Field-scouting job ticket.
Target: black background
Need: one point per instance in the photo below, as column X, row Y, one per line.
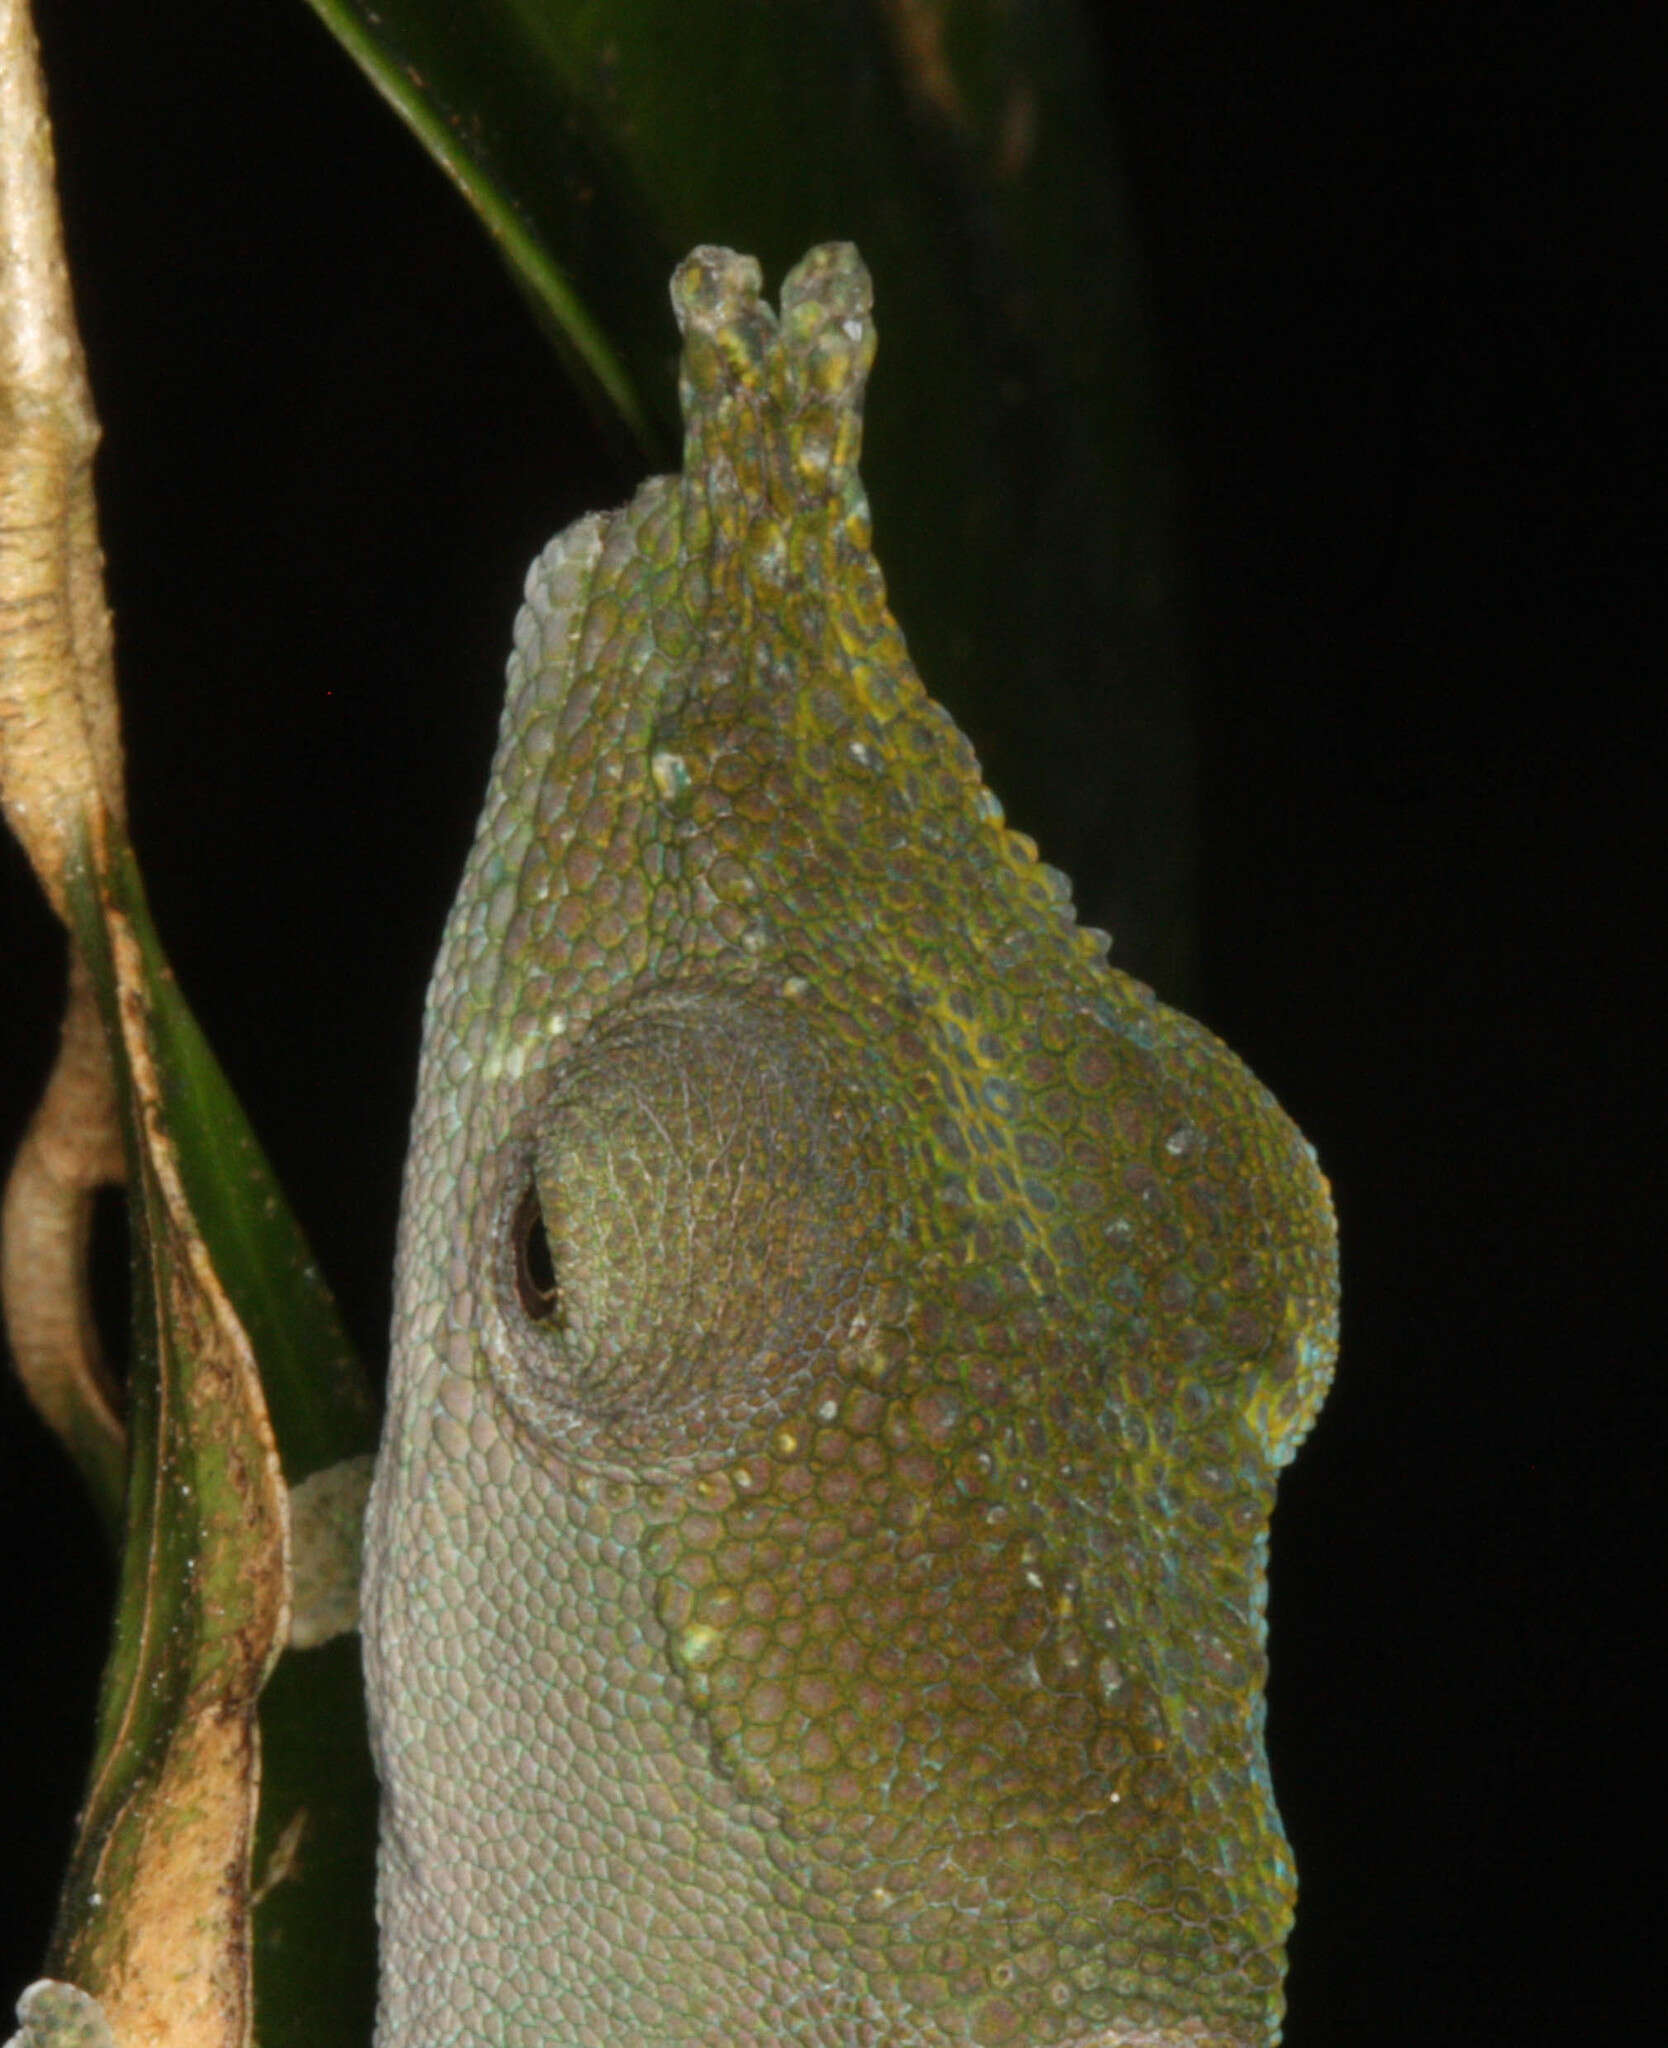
column 1404, row 278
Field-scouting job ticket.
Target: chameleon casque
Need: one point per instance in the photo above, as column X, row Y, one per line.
column 846, row 1337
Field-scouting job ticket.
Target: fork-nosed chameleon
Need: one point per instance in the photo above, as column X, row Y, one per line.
column 847, row 1333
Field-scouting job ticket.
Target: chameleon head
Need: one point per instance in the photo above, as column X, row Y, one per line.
column 846, row 1337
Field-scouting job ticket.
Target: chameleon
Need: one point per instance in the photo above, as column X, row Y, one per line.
column 846, row 1336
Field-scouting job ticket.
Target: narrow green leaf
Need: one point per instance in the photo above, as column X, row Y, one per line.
column 315, row 1854
column 317, row 1392
column 153, row 1897
column 193, row 1635
column 314, row 1860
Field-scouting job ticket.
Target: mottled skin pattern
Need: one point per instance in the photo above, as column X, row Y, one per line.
column 847, row 1333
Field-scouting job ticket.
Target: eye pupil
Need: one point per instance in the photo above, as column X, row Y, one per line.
column 535, row 1266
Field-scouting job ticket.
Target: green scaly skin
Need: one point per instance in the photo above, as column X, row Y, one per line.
column 846, row 1337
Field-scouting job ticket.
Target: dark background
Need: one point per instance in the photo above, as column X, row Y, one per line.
column 1404, row 287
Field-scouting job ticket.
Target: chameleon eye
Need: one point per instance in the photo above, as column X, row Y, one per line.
column 535, row 1265
column 688, row 1233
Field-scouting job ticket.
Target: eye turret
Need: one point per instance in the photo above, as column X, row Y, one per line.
column 684, row 1232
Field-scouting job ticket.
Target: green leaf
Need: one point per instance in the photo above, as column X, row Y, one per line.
column 223, row 1281
column 1014, row 456
column 316, row 1390
column 153, row 1894
column 314, row 1931
column 315, row 1854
